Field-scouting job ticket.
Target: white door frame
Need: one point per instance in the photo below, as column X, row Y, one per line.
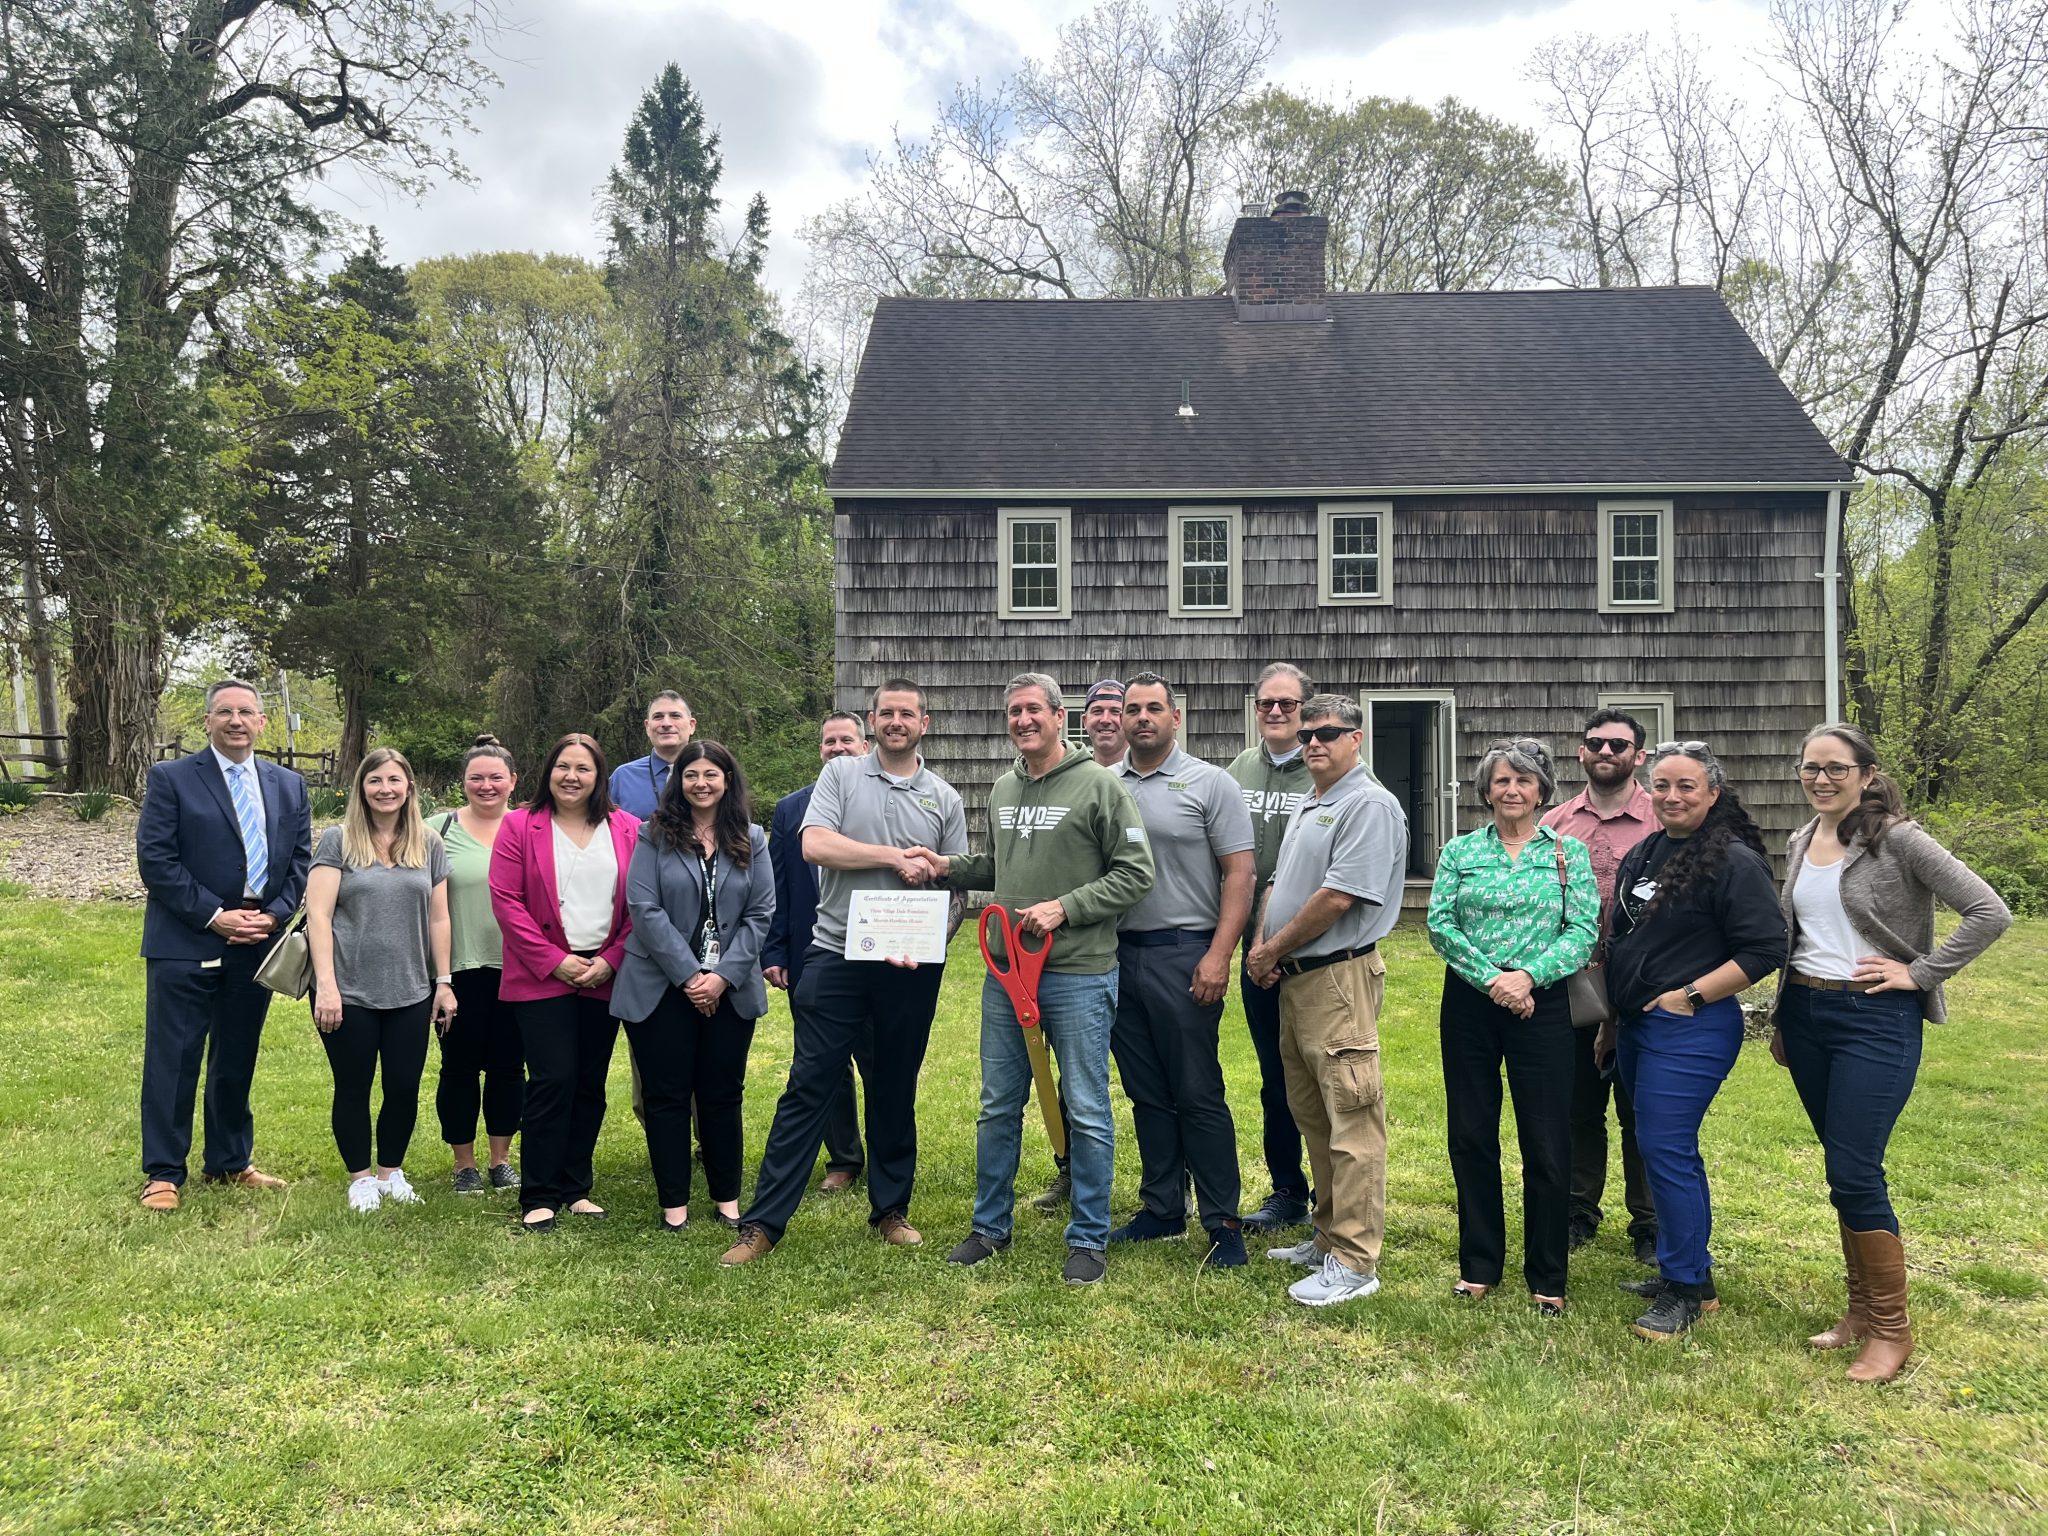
column 1445, row 748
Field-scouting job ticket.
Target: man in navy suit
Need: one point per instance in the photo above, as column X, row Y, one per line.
column 223, row 842
column 789, row 936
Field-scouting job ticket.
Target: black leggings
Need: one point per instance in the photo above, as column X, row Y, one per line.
column 568, row 1043
column 684, row 1055
column 482, row 1042
column 397, row 1036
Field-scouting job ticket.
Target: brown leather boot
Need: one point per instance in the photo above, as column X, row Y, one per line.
column 1855, row 1322
column 1888, row 1335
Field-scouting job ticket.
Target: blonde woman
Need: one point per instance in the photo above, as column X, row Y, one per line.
column 377, row 923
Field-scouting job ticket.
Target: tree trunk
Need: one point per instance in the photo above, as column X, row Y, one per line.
column 353, row 684
column 41, row 655
column 117, row 675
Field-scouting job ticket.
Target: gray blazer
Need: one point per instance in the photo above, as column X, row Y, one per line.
column 1889, row 891
column 665, row 894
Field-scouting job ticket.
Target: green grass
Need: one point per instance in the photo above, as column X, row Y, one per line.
column 274, row 1364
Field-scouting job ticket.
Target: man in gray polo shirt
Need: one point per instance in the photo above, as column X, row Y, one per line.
column 864, row 812
column 1173, row 960
column 1336, row 893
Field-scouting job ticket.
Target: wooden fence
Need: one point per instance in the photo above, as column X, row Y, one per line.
column 45, row 753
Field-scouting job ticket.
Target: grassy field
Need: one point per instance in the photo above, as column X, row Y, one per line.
column 274, row 1364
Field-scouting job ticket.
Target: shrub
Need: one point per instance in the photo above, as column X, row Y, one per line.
column 2006, row 844
column 15, row 798
column 327, row 804
column 92, row 805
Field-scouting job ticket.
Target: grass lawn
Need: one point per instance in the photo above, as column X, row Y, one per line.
column 275, row 1364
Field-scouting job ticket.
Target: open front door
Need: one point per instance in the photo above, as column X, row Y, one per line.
column 1412, row 748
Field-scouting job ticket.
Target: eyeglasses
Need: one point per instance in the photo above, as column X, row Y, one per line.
column 1614, row 744
column 1323, row 733
column 1285, row 706
column 1666, row 748
column 1836, row 772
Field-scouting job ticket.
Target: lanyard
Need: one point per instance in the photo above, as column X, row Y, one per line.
column 707, row 935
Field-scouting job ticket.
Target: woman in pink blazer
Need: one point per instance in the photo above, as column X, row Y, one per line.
column 558, row 889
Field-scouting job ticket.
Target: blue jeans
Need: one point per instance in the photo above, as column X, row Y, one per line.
column 1076, row 1013
column 1672, row 1067
column 1853, row 1057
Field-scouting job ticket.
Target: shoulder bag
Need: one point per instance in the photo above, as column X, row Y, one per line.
column 288, row 969
column 1587, row 986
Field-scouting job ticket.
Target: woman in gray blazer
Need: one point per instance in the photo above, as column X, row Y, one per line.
column 1863, row 972
column 702, row 893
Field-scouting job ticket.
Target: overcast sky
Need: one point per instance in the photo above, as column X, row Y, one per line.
column 802, row 90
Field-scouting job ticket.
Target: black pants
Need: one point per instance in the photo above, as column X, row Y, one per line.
column 1478, row 1035
column 1165, row 1048
column 397, row 1037
column 483, row 1042
column 840, row 1004
column 685, row 1055
column 568, row 1042
column 1279, row 1134
column 200, row 1013
column 1589, row 1144
column 843, row 1150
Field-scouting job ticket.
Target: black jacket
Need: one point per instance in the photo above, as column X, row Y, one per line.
column 1735, row 917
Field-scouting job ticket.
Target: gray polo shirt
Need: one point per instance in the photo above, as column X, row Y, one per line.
column 1194, row 814
column 856, row 799
column 1353, row 837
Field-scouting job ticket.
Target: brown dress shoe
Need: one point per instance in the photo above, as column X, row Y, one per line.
column 835, row 1182
column 898, row 1232
column 159, row 1195
column 753, row 1244
column 248, row 1178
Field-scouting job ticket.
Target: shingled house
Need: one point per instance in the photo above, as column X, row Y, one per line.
column 1479, row 513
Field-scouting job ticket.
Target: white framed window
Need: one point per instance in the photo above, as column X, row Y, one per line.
column 1656, row 712
column 1205, row 564
column 1635, row 557
column 1355, row 552
column 1034, row 563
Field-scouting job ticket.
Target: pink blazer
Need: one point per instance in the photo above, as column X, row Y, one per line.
column 528, row 906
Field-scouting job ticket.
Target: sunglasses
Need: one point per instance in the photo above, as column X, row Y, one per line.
column 1285, row 706
column 1323, row 733
column 1614, row 744
column 1666, row 748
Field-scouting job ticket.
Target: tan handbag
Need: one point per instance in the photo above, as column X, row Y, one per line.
column 1587, row 986
column 288, row 969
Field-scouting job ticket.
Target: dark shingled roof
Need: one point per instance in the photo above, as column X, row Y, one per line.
column 1614, row 387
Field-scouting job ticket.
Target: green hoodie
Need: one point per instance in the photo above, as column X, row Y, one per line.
column 1073, row 836
column 1271, row 793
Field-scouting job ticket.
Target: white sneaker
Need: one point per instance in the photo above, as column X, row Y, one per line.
column 363, row 1194
column 1305, row 1253
column 395, row 1186
column 1336, row 1281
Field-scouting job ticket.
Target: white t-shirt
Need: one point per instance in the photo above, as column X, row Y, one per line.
column 587, row 880
column 1829, row 945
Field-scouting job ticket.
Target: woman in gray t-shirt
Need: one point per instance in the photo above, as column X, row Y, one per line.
column 377, row 923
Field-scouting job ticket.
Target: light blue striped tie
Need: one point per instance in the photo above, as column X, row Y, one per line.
column 254, row 844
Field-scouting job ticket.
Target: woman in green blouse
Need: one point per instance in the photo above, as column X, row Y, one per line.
column 483, row 1041
column 1514, row 911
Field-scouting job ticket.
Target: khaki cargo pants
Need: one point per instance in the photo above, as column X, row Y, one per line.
column 1330, row 1050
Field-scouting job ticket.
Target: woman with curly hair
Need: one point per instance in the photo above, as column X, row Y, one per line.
column 1863, row 975
column 702, row 893
column 1695, row 920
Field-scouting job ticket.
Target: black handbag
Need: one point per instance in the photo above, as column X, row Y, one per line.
column 1587, row 986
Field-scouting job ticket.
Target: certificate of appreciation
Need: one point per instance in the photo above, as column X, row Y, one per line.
column 898, row 925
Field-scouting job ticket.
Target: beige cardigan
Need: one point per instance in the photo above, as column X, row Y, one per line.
column 1889, row 891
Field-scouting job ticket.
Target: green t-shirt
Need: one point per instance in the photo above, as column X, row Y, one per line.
column 476, row 943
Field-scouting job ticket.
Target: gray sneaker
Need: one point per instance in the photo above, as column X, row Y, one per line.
column 468, row 1181
column 1056, row 1195
column 1336, row 1281
column 976, row 1249
column 1305, row 1253
column 504, row 1176
column 1085, row 1266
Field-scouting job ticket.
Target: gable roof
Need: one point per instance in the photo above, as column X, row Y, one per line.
column 1631, row 388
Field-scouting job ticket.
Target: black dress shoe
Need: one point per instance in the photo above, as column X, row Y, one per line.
column 1581, row 1232
column 545, row 1224
column 730, row 1223
column 677, row 1227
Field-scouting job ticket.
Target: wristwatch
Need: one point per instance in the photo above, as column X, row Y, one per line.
column 1692, row 996
column 444, row 981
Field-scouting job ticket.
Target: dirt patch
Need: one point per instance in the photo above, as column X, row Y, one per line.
column 49, row 850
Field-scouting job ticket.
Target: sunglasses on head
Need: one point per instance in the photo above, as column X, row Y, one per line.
column 1323, row 733
column 1666, row 748
column 1614, row 744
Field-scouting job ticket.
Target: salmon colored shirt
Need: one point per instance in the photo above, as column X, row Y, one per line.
column 1606, row 836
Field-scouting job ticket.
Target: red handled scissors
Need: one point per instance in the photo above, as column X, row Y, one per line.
column 1020, row 979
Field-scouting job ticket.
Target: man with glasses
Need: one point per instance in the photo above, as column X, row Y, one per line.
column 637, row 786
column 1336, row 893
column 1610, row 817
column 1274, row 778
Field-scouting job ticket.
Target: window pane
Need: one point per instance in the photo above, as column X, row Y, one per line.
column 1354, row 536
column 1635, row 581
column 1204, row 586
column 1635, row 535
column 1352, row 577
column 1205, row 541
column 1036, row 588
column 1355, row 556
column 1034, row 543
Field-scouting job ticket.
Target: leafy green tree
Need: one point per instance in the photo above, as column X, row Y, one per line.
column 401, row 554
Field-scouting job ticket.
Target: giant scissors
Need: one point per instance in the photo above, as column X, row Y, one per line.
column 1020, row 979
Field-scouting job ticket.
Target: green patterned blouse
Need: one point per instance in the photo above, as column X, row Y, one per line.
column 1489, row 913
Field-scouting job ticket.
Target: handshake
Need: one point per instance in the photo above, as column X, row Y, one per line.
column 920, row 866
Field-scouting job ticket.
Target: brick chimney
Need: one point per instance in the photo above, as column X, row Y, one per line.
column 1278, row 267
